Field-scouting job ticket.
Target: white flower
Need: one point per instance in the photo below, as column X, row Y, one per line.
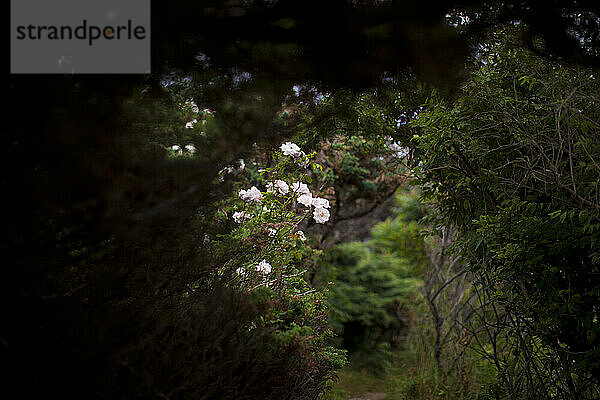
column 227, row 170
column 191, row 148
column 242, row 164
column 399, row 151
column 300, row 188
column 240, row 271
column 319, row 202
column 190, row 124
column 241, row 216
column 306, row 200
column 264, row 267
column 321, row 215
column 290, row 149
column 252, row 194
column 177, row 149
column 282, row 187
column 272, row 232
column 192, row 105
column 301, row 235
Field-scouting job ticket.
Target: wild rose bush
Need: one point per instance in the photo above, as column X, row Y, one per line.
column 192, row 131
column 275, row 214
column 267, row 256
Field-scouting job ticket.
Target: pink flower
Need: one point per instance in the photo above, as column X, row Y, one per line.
column 252, row 194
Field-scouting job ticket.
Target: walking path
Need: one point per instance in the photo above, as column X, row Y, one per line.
column 370, row 396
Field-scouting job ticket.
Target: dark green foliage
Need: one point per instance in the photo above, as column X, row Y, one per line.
column 110, row 289
column 103, row 232
column 513, row 164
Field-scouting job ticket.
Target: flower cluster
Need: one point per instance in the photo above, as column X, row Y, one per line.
column 251, row 195
column 191, row 104
column 241, row 216
column 264, row 267
column 299, row 190
column 305, row 197
column 231, row 168
column 276, row 212
column 397, row 150
column 190, row 149
column 292, row 149
column 280, row 186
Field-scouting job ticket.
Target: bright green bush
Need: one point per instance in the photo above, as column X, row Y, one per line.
column 374, row 284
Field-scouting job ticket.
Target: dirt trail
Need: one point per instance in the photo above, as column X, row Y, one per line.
column 369, row 396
